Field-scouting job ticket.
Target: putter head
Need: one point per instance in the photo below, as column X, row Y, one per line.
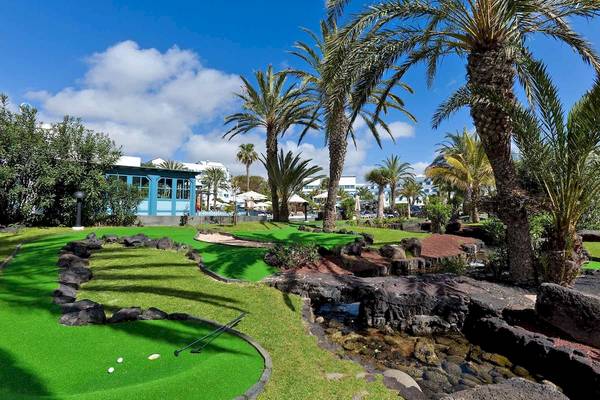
column 176, row 353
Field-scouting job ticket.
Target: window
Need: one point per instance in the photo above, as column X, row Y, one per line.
column 122, row 178
column 183, row 189
column 165, row 187
column 142, row 183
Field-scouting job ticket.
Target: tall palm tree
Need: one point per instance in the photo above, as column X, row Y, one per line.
column 274, row 106
column 214, row 178
column 396, row 172
column 290, row 173
column 463, row 164
column 492, row 36
column 563, row 154
column 336, row 116
column 412, row 191
column 247, row 155
column 380, row 178
column 172, row 164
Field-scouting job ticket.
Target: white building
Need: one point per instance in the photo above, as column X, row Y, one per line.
column 428, row 189
column 200, row 167
column 347, row 183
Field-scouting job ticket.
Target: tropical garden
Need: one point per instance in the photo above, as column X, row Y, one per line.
column 526, row 179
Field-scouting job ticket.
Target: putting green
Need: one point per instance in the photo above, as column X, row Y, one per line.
column 39, row 358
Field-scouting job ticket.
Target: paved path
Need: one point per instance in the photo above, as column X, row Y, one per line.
column 229, row 240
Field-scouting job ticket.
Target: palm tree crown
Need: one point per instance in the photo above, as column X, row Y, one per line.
column 171, row 164
column 463, row 164
column 396, row 172
column 214, row 178
column 247, row 156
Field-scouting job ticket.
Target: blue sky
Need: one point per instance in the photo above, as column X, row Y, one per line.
column 158, row 76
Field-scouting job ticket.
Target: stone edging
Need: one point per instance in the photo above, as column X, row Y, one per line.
column 11, row 256
column 73, row 263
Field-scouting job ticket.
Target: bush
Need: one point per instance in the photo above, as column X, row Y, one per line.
column 494, row 230
column 498, row 261
column 292, row 256
column 438, row 213
column 348, row 205
column 454, row 265
column 121, row 202
column 539, row 226
column 591, row 218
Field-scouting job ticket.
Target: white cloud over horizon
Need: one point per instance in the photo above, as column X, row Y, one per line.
column 147, row 101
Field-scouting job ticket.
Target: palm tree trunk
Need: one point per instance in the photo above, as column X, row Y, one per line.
column 247, row 177
column 208, row 200
column 272, row 157
column 338, row 145
column 491, row 72
column 215, row 198
column 284, row 211
column 475, row 206
column 409, row 205
column 393, row 198
column 380, row 202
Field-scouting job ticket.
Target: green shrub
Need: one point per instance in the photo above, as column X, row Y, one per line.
column 454, row 265
column 293, row 255
column 494, row 230
column 121, row 203
column 438, row 213
column 348, row 204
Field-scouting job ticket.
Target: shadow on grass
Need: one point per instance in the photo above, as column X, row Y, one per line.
column 17, row 379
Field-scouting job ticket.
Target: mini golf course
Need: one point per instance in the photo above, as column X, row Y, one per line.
column 40, row 358
column 44, row 359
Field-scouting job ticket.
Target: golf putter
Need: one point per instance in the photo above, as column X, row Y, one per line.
column 217, row 331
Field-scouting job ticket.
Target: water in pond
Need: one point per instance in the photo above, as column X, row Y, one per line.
column 440, row 364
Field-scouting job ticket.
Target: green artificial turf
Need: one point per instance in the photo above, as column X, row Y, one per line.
column 42, row 359
column 35, row 350
column 382, row 235
column 593, row 248
column 592, row 265
column 278, row 232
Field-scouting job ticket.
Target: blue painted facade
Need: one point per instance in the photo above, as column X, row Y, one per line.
column 167, row 192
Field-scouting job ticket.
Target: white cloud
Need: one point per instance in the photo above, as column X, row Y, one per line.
column 399, row 130
column 419, row 167
column 147, row 101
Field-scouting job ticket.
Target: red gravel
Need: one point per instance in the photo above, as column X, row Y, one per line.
column 589, row 351
column 439, row 246
column 329, row 265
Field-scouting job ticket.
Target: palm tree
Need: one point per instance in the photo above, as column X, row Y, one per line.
column 396, row 172
column 173, row 165
column 380, row 178
column 247, row 155
column 412, row 191
column 563, row 154
column 214, row 178
column 290, row 173
column 463, row 164
column 492, row 36
column 335, row 116
column 274, row 107
column 364, row 193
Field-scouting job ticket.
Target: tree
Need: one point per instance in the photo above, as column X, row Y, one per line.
column 438, row 213
column 257, row 183
column 463, row 164
column 396, row 172
column 172, row 164
column 364, row 193
column 247, row 155
column 412, row 191
column 492, row 36
column 379, row 177
column 122, row 201
column 41, row 168
column 335, row 115
column 275, row 107
column 290, row 173
column 214, row 178
column 562, row 153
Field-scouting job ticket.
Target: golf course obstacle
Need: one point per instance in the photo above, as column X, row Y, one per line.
column 207, row 339
column 73, row 263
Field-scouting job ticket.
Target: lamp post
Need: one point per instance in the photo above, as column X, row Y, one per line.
column 79, row 195
column 305, row 211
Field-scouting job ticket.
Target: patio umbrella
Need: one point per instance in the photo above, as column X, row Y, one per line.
column 251, row 195
column 321, row 196
column 296, row 199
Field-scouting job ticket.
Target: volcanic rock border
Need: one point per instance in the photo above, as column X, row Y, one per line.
column 73, row 263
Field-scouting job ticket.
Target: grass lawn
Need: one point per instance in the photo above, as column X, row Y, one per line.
column 382, row 235
column 42, row 354
column 283, row 232
column 592, row 265
column 593, row 248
